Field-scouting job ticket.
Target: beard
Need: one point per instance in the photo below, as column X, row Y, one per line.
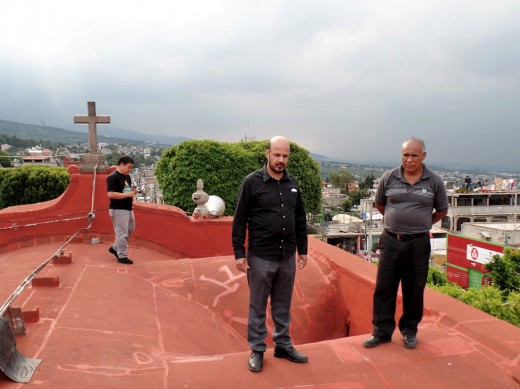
column 278, row 167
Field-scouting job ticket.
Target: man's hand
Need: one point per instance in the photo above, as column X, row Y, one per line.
column 302, row 260
column 242, row 265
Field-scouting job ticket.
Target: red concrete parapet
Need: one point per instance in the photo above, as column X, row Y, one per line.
column 166, row 226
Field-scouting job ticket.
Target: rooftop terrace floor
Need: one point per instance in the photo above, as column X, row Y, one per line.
column 151, row 325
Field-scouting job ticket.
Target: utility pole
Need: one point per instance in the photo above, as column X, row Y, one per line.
column 43, row 131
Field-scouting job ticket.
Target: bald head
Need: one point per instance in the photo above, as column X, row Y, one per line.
column 277, row 154
column 279, row 141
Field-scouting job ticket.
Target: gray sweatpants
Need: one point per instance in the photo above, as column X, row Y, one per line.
column 274, row 278
column 124, row 224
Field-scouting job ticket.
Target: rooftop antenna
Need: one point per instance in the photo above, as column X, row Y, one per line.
column 43, row 130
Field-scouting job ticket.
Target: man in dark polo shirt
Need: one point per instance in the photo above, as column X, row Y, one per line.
column 270, row 208
column 412, row 198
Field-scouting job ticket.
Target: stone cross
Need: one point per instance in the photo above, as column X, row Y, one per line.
column 92, row 121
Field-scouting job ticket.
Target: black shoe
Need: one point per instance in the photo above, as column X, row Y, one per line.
column 112, row 251
column 374, row 341
column 291, row 354
column 125, row 261
column 256, row 362
column 410, row 341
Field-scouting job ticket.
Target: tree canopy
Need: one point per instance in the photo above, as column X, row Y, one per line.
column 223, row 166
column 356, row 195
column 505, row 270
column 368, row 182
column 4, row 159
column 31, row 184
column 341, row 179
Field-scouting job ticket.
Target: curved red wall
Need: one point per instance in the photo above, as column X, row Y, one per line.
column 164, row 226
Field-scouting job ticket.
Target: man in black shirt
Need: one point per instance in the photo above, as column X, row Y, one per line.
column 270, row 208
column 121, row 194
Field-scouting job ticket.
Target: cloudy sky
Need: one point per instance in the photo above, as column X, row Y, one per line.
column 349, row 79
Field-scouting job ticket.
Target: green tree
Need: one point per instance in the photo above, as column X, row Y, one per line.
column 368, row 182
column 220, row 165
column 341, row 179
column 31, row 184
column 223, row 166
column 4, row 159
column 356, row 195
column 346, row 205
column 505, row 270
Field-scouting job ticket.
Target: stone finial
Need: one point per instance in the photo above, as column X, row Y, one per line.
column 200, row 198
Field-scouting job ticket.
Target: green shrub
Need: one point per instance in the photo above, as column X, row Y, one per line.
column 449, row 289
column 488, row 299
column 436, row 277
column 505, row 270
column 31, row 184
column 223, row 166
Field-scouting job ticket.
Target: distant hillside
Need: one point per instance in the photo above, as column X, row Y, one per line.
column 114, row 132
column 109, row 134
column 319, row 157
column 105, row 134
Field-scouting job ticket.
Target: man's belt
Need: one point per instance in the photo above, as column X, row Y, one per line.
column 405, row 237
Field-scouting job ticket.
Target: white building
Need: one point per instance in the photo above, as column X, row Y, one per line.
column 499, row 206
column 507, row 234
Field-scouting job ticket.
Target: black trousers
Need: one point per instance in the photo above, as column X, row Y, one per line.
column 270, row 278
column 406, row 262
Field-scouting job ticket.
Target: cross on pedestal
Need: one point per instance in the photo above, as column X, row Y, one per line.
column 92, row 120
column 92, row 161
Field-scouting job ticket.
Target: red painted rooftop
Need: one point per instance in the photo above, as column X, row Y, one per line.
column 177, row 318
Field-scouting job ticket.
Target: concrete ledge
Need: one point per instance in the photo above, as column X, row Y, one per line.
column 31, row 316
column 64, row 259
column 46, row 282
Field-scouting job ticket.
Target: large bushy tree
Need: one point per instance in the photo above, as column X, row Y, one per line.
column 223, row 166
column 31, row 184
column 220, row 165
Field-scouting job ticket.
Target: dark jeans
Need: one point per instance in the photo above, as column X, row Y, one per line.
column 273, row 278
column 406, row 262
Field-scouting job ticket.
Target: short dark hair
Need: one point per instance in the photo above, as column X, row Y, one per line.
column 125, row 160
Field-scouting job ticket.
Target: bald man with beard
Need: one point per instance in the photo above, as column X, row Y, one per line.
column 270, row 212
